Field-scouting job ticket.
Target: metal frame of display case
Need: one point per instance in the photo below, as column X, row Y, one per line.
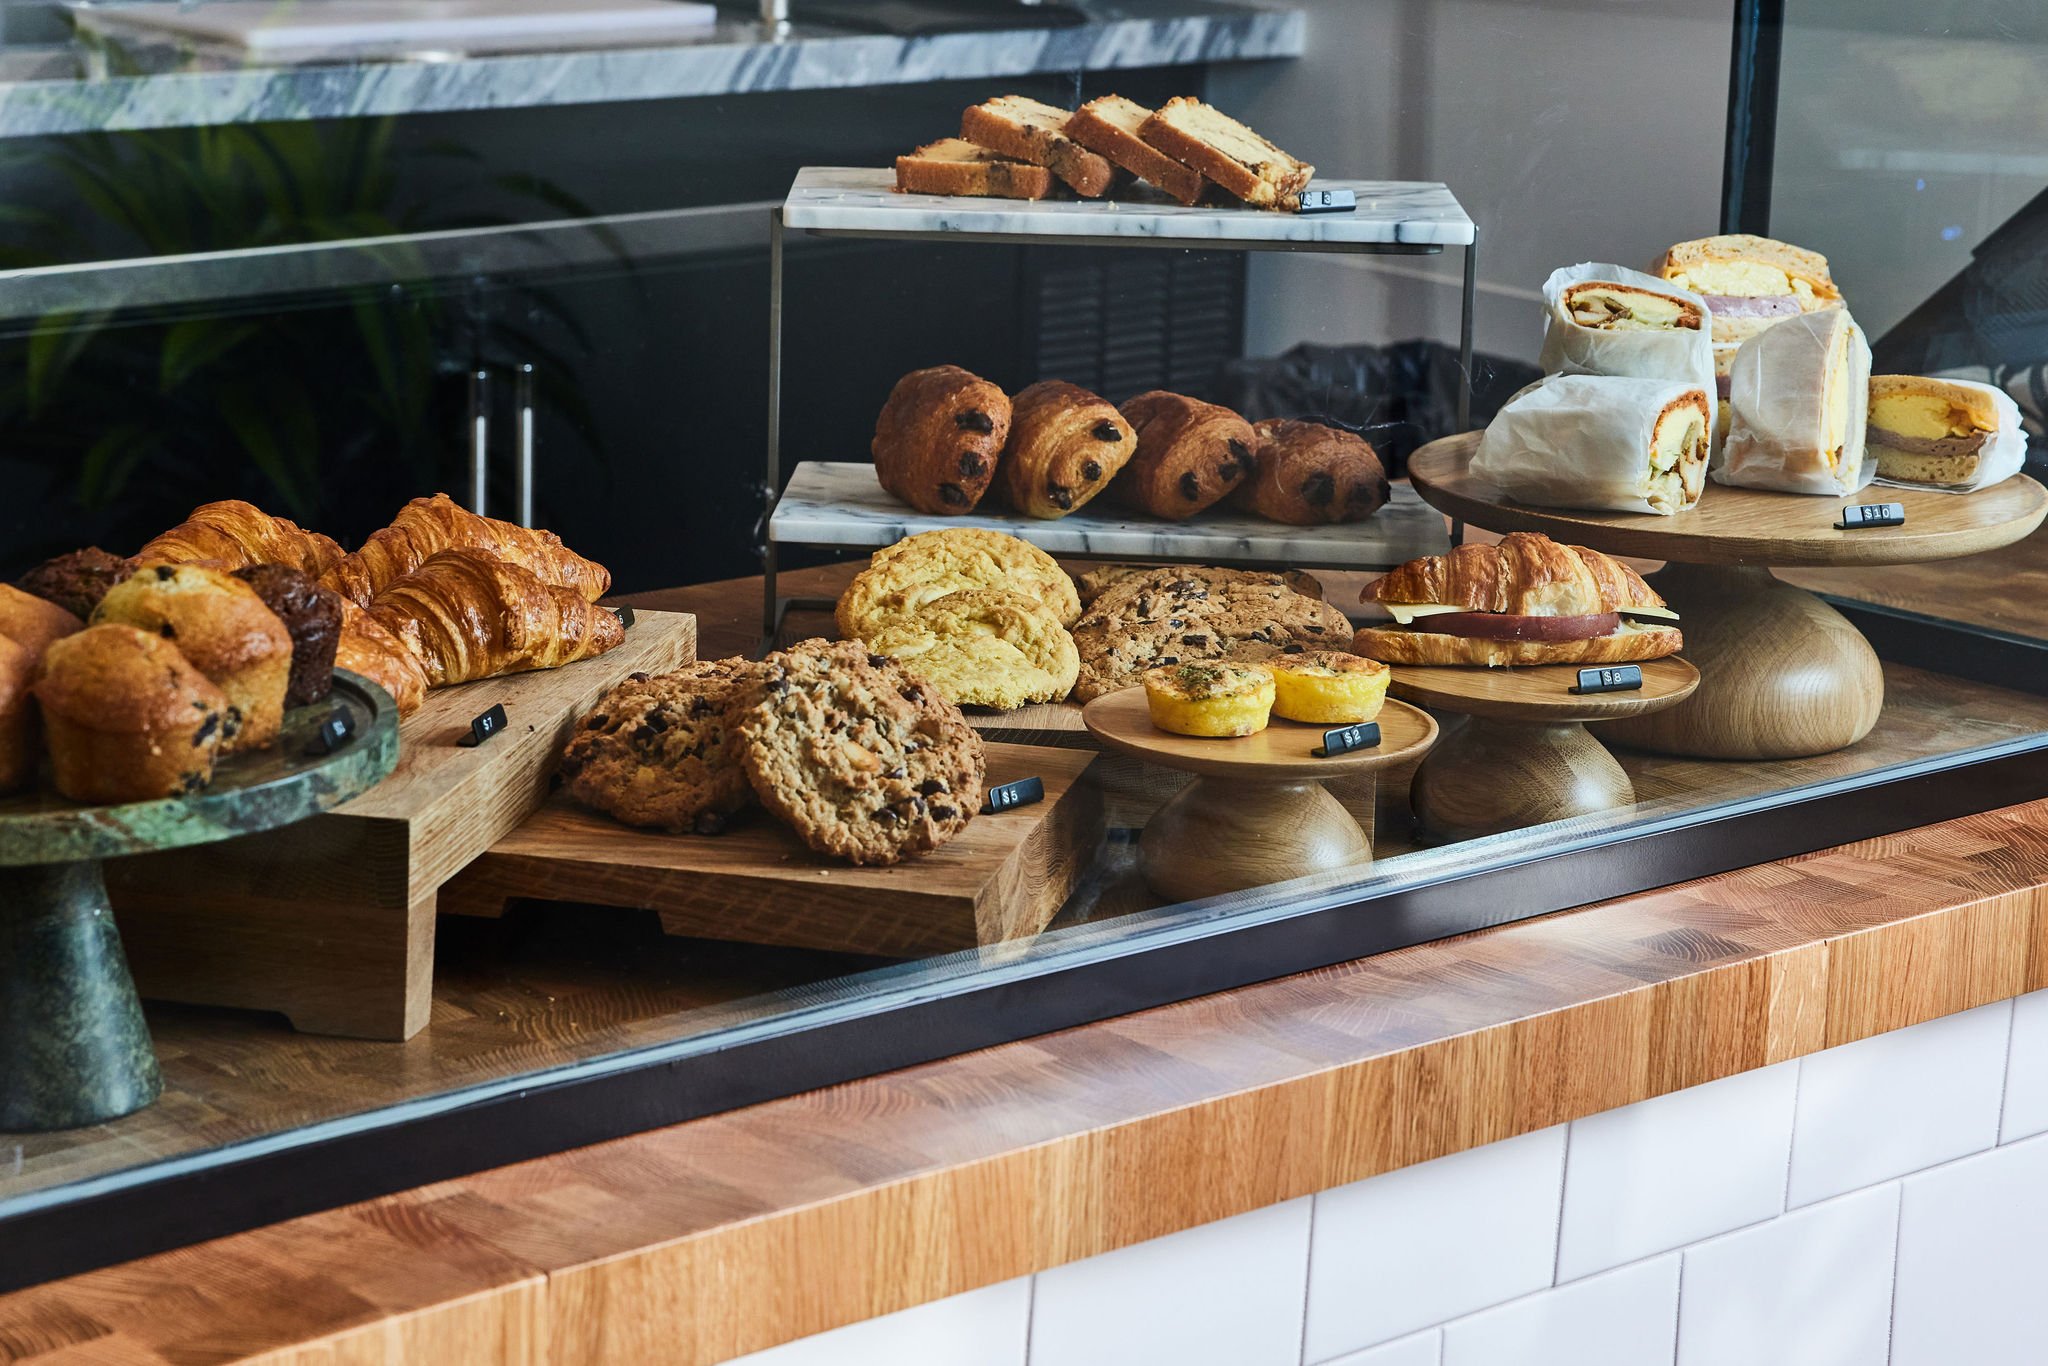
column 773, row 607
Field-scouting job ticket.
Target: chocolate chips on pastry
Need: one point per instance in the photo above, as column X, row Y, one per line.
column 938, row 438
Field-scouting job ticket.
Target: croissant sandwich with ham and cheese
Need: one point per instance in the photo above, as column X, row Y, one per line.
column 1527, row 600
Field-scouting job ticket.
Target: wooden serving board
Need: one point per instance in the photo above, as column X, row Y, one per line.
column 331, row 921
column 1000, row 880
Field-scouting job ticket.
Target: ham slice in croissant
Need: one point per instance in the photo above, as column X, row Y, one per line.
column 233, row 535
column 366, row 648
column 1525, row 576
column 426, row 526
column 466, row 614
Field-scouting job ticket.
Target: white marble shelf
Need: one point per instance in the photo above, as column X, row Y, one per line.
column 863, row 199
column 841, row 504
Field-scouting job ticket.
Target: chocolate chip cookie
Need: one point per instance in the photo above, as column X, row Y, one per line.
column 865, row 761
column 1183, row 616
column 657, row 750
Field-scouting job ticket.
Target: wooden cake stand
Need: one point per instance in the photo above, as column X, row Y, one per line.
column 1524, row 757
column 1256, row 811
column 73, row 1047
column 1782, row 674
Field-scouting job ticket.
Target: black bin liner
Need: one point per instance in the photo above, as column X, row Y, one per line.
column 1398, row 397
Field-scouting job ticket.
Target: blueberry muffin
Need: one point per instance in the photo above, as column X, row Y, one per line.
column 222, row 627
column 128, row 718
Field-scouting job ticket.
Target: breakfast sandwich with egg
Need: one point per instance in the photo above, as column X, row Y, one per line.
column 1933, row 431
column 1527, row 600
column 1800, row 393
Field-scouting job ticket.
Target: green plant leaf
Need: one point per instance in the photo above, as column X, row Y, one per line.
column 194, row 343
column 54, row 346
column 108, row 462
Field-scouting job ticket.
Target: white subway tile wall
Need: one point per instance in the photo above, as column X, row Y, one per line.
column 1896, row 1103
column 2026, row 1072
column 1670, row 1171
column 1618, row 1318
column 1973, row 1262
column 1430, row 1242
column 1653, row 1235
column 1812, row 1288
column 1224, row 1294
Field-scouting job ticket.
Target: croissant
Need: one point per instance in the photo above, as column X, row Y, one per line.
column 1189, row 455
column 365, row 647
column 426, row 526
column 466, row 614
column 1525, row 575
column 234, row 535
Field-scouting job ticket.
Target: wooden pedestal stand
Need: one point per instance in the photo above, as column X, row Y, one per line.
column 1524, row 757
column 73, row 1046
column 1782, row 674
column 1256, row 811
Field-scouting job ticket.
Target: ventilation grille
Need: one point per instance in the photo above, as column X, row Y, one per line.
column 1122, row 322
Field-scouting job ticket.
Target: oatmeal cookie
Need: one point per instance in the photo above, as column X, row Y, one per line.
column 864, row 760
column 904, row 577
column 984, row 647
column 1177, row 617
column 656, row 750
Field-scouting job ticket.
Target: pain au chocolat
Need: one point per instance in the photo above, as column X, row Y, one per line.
column 1527, row 600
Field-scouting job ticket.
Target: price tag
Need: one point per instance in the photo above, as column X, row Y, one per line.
column 332, row 733
column 625, row 616
column 1615, row 678
column 1007, row 796
column 1328, row 201
column 1344, row 739
column 1856, row 516
column 485, row 726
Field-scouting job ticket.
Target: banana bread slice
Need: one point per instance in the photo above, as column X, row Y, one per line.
column 1110, row 126
column 1227, row 152
column 955, row 166
column 1028, row 130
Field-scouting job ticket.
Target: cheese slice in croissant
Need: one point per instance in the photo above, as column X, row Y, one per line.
column 426, row 526
column 1525, row 576
column 232, row 535
column 466, row 614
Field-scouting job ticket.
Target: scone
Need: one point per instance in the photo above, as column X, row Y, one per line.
column 18, row 747
column 938, row 437
column 128, row 718
column 1188, row 617
column 1214, row 699
column 983, row 647
column 1190, row 454
column 77, row 580
column 1309, row 474
column 312, row 618
column 1328, row 687
column 864, row 761
column 32, row 622
column 222, row 627
column 905, row 576
column 1065, row 446
column 656, row 751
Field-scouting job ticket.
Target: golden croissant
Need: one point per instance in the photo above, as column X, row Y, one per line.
column 426, row 526
column 466, row 614
column 234, row 535
column 1525, row 574
column 366, row 648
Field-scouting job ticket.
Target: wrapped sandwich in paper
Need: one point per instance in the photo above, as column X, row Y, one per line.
column 1951, row 434
column 1800, row 393
column 1609, row 320
column 1601, row 442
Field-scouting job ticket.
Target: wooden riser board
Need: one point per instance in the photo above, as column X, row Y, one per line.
column 999, row 881
column 331, row 921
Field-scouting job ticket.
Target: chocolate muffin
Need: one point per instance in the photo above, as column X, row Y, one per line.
column 76, row 582
column 311, row 616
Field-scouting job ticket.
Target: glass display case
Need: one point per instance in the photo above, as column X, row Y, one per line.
column 656, row 299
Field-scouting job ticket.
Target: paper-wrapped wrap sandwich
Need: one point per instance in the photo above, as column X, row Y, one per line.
column 1800, row 395
column 1527, row 600
column 1601, row 442
column 1943, row 433
column 1609, row 320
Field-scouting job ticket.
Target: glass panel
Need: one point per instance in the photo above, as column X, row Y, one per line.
column 292, row 303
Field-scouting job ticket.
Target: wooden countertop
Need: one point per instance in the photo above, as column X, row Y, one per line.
column 735, row 1232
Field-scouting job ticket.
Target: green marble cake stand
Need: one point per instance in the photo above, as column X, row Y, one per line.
column 73, row 1047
